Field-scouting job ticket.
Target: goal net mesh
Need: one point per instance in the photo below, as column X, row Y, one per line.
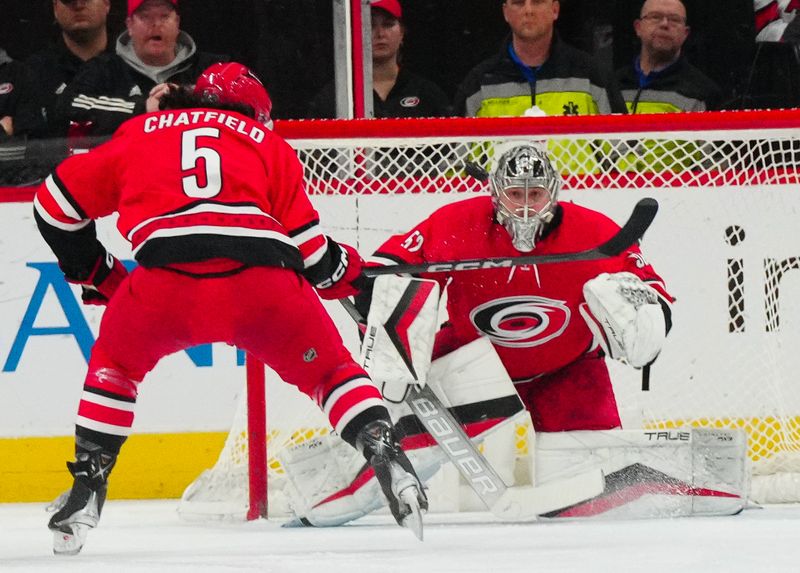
column 724, row 241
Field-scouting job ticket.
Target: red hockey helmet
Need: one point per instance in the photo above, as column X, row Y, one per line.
column 230, row 82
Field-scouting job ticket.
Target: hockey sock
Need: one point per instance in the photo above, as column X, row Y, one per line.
column 106, row 410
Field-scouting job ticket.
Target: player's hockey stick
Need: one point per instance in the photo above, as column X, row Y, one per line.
column 516, row 503
column 643, row 214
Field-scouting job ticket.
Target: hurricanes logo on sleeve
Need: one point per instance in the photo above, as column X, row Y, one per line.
column 521, row 321
column 638, row 260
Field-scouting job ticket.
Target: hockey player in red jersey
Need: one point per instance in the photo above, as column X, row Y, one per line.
column 532, row 314
column 550, row 326
column 228, row 247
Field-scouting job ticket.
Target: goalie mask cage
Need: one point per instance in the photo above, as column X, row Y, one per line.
column 725, row 241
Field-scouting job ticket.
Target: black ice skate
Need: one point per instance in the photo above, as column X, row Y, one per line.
column 396, row 475
column 81, row 510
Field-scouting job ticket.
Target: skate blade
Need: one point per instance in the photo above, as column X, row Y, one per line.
column 70, row 543
column 413, row 520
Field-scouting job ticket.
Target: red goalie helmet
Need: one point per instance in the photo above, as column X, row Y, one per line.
column 230, row 82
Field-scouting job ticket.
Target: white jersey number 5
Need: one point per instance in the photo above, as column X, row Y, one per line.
column 205, row 179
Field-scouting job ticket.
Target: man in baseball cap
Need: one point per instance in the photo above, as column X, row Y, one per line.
column 150, row 55
column 134, row 5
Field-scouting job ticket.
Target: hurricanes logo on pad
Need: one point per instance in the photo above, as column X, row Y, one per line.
column 521, row 321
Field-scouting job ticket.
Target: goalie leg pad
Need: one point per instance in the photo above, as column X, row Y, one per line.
column 322, row 484
column 472, row 382
column 651, row 473
column 326, row 483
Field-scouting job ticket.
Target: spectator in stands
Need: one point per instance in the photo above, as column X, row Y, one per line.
column 536, row 73
column 12, row 75
column 660, row 79
column 396, row 92
column 153, row 52
column 83, row 36
column 776, row 20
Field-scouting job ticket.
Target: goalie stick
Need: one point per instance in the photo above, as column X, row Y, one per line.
column 516, row 503
column 642, row 216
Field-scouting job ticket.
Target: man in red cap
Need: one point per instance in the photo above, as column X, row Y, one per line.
column 154, row 27
column 134, row 5
column 152, row 52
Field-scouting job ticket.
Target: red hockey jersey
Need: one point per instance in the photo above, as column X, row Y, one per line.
column 192, row 185
column 530, row 313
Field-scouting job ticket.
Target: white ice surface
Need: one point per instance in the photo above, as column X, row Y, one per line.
column 148, row 536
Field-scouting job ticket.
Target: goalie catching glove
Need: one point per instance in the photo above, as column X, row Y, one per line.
column 625, row 317
column 102, row 281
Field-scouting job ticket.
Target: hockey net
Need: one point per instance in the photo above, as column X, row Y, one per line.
column 729, row 192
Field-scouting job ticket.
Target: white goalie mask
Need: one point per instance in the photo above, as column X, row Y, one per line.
column 525, row 192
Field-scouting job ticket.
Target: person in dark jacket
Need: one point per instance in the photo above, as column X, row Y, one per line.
column 660, row 79
column 396, row 91
column 535, row 73
column 12, row 76
column 151, row 54
column 83, row 36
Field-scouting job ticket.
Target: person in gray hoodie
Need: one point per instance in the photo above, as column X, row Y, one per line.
column 153, row 52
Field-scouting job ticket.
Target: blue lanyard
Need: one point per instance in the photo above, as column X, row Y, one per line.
column 645, row 79
column 527, row 71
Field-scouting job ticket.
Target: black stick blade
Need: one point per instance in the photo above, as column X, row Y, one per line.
column 476, row 171
column 642, row 216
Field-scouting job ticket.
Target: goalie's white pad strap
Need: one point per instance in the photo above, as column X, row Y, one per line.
column 651, row 473
column 401, row 326
column 625, row 317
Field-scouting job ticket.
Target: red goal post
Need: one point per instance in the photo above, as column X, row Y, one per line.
column 729, row 188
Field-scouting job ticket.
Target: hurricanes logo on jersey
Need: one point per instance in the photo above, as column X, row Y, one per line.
column 521, row 321
column 638, row 259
